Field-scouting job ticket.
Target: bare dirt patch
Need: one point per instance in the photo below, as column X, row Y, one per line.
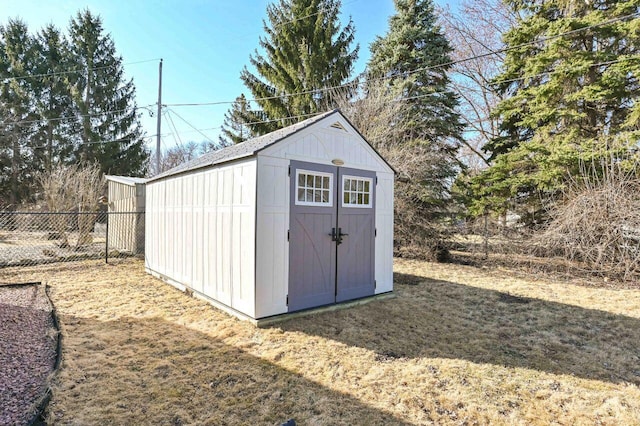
column 459, row 345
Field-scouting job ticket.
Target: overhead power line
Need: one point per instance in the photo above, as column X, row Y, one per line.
column 73, row 117
column 120, row 140
column 193, row 127
column 6, row 80
column 529, row 43
column 176, row 135
column 479, row 56
column 427, row 68
column 399, row 99
column 295, row 117
column 71, row 71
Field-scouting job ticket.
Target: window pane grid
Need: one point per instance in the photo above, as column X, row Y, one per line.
column 356, row 192
column 313, row 189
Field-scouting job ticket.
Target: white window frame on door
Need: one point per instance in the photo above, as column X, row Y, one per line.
column 314, row 188
column 370, row 193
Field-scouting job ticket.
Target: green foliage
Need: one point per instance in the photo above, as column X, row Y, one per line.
column 103, row 101
column 63, row 101
column 411, row 56
column 304, row 50
column 234, row 129
column 409, row 60
column 52, row 134
column 16, row 111
column 570, row 98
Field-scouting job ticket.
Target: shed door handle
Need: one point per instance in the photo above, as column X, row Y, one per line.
column 340, row 235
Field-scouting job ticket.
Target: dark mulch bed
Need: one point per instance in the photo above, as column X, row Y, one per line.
column 28, row 347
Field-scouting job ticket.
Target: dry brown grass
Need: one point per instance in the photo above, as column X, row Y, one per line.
column 459, row 345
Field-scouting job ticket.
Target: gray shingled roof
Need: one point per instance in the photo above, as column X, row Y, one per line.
column 244, row 149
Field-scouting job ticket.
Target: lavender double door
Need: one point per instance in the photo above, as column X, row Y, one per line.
column 331, row 235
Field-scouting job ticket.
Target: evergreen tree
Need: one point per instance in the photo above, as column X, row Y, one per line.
column 411, row 60
column 16, row 111
column 234, row 129
column 53, row 99
column 571, row 91
column 413, row 56
column 103, row 101
column 305, row 50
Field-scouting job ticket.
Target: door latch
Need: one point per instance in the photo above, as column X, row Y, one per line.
column 340, row 235
column 334, row 236
column 337, row 236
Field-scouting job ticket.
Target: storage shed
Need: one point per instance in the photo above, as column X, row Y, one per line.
column 126, row 204
column 295, row 219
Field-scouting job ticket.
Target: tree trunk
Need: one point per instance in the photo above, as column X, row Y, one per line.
column 86, row 120
column 49, row 156
column 15, row 171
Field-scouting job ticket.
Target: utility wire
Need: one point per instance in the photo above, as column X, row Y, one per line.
column 193, row 127
column 176, row 135
column 24, row 77
column 510, row 80
column 74, row 117
column 544, row 39
column 401, row 99
column 7, row 79
column 195, row 130
column 529, row 43
column 427, row 68
column 121, row 140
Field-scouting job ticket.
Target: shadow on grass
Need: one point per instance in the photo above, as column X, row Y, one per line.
column 440, row 319
column 134, row 371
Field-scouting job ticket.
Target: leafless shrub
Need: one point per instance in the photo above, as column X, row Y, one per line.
column 598, row 223
column 419, row 228
column 72, row 188
column 179, row 154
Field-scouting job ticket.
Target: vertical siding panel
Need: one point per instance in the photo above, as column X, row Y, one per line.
column 384, row 240
column 243, row 246
column 201, row 232
column 123, row 228
column 272, row 248
column 224, row 240
column 207, row 235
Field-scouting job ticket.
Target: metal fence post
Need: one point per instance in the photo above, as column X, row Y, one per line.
column 106, row 240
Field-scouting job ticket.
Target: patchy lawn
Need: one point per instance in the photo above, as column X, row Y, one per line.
column 459, row 345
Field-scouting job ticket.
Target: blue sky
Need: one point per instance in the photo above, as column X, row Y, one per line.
column 204, row 46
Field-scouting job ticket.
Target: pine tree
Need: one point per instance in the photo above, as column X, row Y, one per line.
column 53, row 99
column 411, row 59
column 305, row 50
column 414, row 55
column 104, row 102
column 571, row 91
column 234, row 128
column 16, row 111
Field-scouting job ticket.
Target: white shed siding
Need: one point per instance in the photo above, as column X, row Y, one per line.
column 384, row 238
column 220, row 227
column 272, row 254
column 126, row 230
column 201, row 232
column 321, row 144
column 318, row 144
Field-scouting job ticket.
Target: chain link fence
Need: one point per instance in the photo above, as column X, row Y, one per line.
column 31, row 238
